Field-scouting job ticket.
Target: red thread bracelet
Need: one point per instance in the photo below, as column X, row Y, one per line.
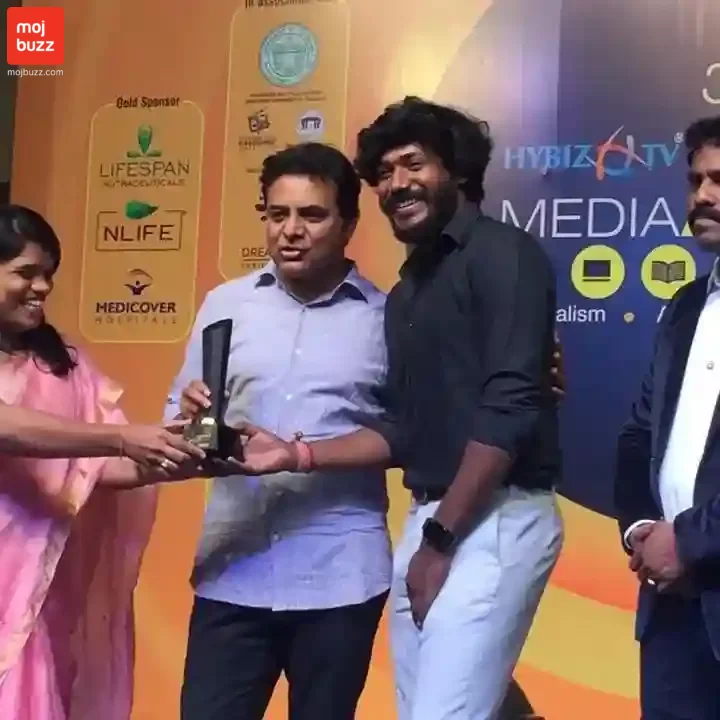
column 304, row 456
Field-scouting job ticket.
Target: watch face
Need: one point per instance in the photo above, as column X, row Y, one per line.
column 438, row 537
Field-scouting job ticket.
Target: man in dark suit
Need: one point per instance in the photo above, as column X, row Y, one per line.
column 667, row 487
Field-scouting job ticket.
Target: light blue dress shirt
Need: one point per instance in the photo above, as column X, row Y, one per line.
column 295, row 541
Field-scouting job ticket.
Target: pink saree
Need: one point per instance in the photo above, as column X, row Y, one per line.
column 70, row 555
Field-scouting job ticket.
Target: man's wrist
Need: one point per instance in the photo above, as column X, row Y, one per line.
column 439, row 538
column 304, row 461
column 628, row 534
column 679, row 549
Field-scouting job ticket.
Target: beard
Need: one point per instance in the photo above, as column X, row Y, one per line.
column 442, row 203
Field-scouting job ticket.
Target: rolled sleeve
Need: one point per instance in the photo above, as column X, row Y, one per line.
column 514, row 313
column 387, row 424
column 390, row 432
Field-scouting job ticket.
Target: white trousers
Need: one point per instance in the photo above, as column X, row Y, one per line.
column 459, row 666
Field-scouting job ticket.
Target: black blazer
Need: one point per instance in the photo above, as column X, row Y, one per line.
column 641, row 448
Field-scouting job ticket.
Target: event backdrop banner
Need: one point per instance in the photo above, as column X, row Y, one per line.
column 143, row 207
column 287, row 82
column 145, row 156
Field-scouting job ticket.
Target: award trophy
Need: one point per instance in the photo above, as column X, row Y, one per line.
column 208, row 431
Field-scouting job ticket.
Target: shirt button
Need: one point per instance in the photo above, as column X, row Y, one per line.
column 275, row 537
column 288, row 397
column 710, row 365
column 298, row 351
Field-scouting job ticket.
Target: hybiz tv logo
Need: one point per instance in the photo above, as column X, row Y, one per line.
column 35, row 36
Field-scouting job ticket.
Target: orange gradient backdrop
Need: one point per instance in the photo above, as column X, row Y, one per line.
column 580, row 660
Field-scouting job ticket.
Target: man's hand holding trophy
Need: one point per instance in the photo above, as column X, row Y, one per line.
column 242, row 450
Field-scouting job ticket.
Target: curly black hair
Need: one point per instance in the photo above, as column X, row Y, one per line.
column 702, row 133
column 461, row 141
column 20, row 225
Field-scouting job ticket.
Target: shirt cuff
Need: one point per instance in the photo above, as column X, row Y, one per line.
column 631, row 529
column 171, row 409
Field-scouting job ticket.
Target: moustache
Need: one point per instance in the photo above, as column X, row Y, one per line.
column 704, row 212
column 391, row 203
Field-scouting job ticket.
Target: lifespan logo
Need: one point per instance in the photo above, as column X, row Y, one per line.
column 35, row 36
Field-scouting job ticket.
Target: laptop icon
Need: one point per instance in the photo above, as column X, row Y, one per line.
column 596, row 270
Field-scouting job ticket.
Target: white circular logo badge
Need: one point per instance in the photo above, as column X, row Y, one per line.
column 311, row 125
column 288, row 55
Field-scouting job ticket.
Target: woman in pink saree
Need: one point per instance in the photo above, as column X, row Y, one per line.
column 74, row 524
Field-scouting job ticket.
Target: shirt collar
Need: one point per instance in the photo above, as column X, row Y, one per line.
column 354, row 282
column 456, row 234
column 464, row 220
column 714, row 279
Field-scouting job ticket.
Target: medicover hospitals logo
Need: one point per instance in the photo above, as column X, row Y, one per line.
column 139, row 300
column 619, row 155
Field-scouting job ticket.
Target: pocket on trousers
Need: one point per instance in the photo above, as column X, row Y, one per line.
column 477, row 567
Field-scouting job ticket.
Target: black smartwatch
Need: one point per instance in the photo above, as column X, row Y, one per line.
column 438, row 537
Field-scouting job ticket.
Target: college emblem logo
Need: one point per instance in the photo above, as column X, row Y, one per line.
column 311, row 124
column 288, row 55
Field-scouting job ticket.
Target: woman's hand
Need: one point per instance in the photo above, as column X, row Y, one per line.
column 171, row 472
column 155, row 447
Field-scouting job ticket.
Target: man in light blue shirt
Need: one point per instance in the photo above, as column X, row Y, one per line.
column 293, row 570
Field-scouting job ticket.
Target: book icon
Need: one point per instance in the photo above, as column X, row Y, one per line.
column 668, row 272
column 596, row 270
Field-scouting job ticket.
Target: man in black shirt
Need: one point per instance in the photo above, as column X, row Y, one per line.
column 469, row 330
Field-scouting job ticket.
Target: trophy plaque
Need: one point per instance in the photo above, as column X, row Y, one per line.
column 208, row 431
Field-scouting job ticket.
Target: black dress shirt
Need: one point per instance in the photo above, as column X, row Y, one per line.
column 469, row 329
